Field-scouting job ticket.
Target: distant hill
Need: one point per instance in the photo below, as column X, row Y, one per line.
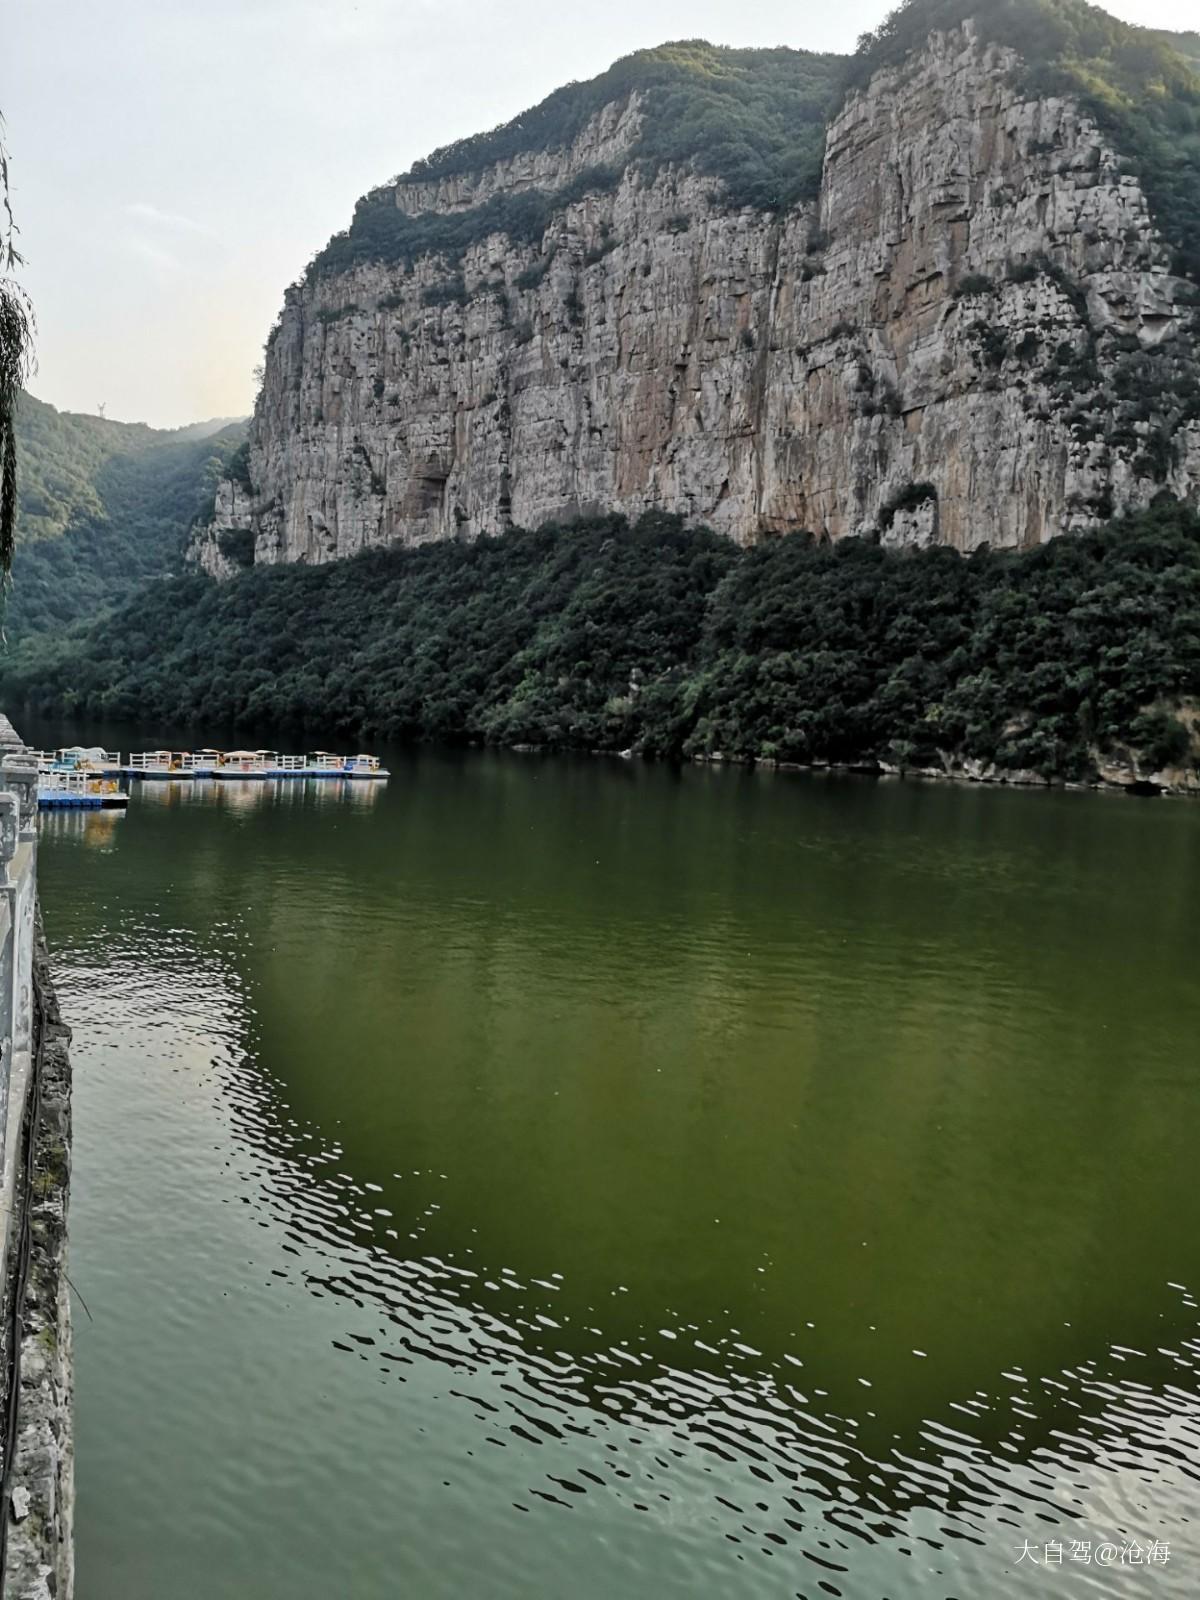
column 205, row 430
column 102, row 507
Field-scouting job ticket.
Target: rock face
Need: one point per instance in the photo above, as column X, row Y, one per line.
column 973, row 337
column 214, row 548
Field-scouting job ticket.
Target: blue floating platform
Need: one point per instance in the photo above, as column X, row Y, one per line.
column 63, row 800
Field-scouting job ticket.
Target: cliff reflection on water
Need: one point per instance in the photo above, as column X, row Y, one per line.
column 544, row 1177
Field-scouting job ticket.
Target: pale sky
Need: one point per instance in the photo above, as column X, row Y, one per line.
column 175, row 163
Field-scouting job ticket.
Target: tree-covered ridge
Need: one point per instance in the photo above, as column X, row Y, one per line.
column 677, row 643
column 102, row 507
column 382, row 232
column 750, row 117
column 753, row 119
column 1142, row 86
column 756, row 120
column 61, row 453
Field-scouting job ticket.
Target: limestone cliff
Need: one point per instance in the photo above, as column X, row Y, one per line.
column 972, row 335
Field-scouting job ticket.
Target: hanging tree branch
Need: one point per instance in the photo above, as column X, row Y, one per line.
column 16, row 361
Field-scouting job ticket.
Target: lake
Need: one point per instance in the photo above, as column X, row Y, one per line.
column 547, row 1177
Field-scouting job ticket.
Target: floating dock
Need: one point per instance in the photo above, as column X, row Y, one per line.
column 79, row 791
column 175, row 765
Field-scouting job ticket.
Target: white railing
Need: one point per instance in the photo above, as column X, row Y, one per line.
column 239, row 761
column 64, row 782
column 227, row 764
column 77, row 758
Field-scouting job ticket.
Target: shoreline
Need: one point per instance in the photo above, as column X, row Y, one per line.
column 1110, row 777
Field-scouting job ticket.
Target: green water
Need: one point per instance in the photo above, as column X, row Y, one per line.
column 548, row 1178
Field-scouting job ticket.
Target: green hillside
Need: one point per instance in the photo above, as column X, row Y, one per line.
column 60, row 454
column 102, row 507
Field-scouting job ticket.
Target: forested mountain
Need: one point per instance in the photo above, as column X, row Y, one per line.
column 103, row 506
column 741, row 403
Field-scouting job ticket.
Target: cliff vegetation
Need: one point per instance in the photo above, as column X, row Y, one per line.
column 756, row 119
column 753, row 119
column 676, row 643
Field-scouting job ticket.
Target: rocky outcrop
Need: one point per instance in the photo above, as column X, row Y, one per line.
column 973, row 337
column 225, row 545
column 606, row 141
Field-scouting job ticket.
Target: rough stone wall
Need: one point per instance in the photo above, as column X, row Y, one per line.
column 39, row 1554
column 978, row 302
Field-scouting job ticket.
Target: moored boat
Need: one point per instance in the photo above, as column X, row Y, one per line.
column 81, row 758
column 58, row 790
column 244, row 764
column 364, row 766
column 322, row 764
column 161, row 764
column 170, row 765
